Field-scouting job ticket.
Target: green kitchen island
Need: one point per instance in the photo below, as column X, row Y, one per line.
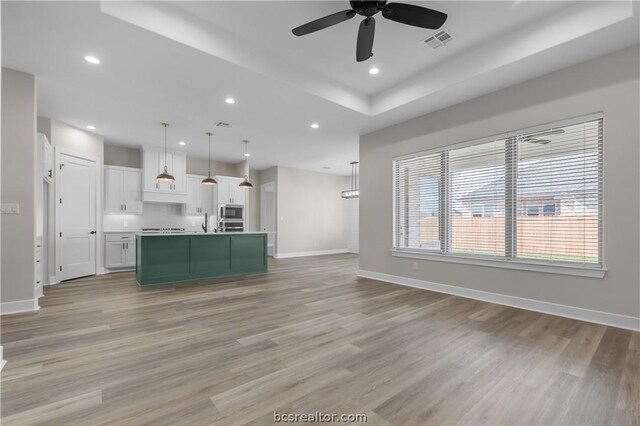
column 169, row 258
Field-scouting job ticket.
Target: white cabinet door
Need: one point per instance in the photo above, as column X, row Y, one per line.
column 237, row 193
column 132, row 191
column 208, row 193
column 130, row 256
column 179, row 171
column 150, row 169
column 113, row 181
column 194, row 196
column 223, row 190
column 115, row 255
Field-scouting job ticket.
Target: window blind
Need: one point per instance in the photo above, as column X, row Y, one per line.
column 559, row 188
column 534, row 195
column 417, row 184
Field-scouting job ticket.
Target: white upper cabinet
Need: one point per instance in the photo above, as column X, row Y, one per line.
column 229, row 191
column 153, row 162
column 123, row 190
column 200, row 198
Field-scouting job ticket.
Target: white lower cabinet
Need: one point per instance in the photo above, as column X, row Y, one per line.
column 120, row 250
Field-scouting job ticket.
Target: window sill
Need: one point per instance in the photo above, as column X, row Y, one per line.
column 578, row 271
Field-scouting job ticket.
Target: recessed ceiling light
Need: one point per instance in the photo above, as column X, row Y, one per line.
column 90, row 127
column 246, row 154
column 315, row 125
column 374, row 71
column 182, row 143
column 230, row 101
column 92, row 60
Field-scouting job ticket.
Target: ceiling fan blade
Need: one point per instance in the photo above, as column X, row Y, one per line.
column 322, row 23
column 364, row 48
column 414, row 15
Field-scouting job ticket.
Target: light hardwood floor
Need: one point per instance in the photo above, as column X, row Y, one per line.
column 307, row 336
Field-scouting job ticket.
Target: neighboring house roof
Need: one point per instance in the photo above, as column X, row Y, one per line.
column 544, row 178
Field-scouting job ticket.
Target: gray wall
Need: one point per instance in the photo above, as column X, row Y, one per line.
column 311, row 215
column 115, row 155
column 18, row 175
column 200, row 166
column 609, row 84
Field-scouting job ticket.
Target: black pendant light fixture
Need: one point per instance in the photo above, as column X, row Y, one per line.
column 354, row 192
column 209, row 180
column 165, row 176
column 245, row 183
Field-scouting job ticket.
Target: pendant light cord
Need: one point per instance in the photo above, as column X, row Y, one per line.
column 209, row 134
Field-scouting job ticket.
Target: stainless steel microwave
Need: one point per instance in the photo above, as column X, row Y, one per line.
column 231, row 212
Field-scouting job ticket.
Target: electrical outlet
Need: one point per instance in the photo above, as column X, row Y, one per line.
column 415, row 266
column 10, row 208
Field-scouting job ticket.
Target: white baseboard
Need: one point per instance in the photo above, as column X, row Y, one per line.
column 309, row 253
column 111, row 271
column 598, row 317
column 19, row 306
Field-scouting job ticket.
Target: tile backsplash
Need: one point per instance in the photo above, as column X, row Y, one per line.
column 154, row 215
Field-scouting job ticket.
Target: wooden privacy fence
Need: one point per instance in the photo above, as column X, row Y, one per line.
column 557, row 235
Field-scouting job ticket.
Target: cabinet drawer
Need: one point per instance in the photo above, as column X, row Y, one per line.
column 120, row 237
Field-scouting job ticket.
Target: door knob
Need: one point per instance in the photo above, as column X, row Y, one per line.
column 92, row 232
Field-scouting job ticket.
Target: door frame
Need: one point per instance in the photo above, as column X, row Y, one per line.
column 58, row 152
column 263, row 188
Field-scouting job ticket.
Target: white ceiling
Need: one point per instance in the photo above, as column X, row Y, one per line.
column 178, row 61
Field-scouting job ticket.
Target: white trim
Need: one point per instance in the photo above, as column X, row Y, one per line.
column 598, row 317
column 17, row 306
column 310, row 253
column 577, row 271
column 105, row 271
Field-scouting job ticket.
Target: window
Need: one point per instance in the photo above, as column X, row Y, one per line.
column 534, row 196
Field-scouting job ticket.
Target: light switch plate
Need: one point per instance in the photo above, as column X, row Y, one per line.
column 10, row 208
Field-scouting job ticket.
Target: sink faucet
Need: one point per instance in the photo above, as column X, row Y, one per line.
column 205, row 225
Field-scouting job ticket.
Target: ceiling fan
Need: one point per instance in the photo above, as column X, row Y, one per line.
column 408, row 14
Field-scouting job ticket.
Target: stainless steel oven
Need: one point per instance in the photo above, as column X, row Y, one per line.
column 228, row 226
column 231, row 212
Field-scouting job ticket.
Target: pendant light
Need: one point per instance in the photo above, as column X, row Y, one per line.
column 209, row 180
column 354, row 192
column 245, row 183
column 165, row 176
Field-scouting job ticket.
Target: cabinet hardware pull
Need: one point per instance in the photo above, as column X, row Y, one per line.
column 50, row 173
column 125, row 207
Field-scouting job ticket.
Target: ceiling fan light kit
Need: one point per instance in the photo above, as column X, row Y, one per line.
column 403, row 13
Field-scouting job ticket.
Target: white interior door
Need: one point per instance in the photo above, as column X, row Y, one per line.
column 76, row 215
column 268, row 213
